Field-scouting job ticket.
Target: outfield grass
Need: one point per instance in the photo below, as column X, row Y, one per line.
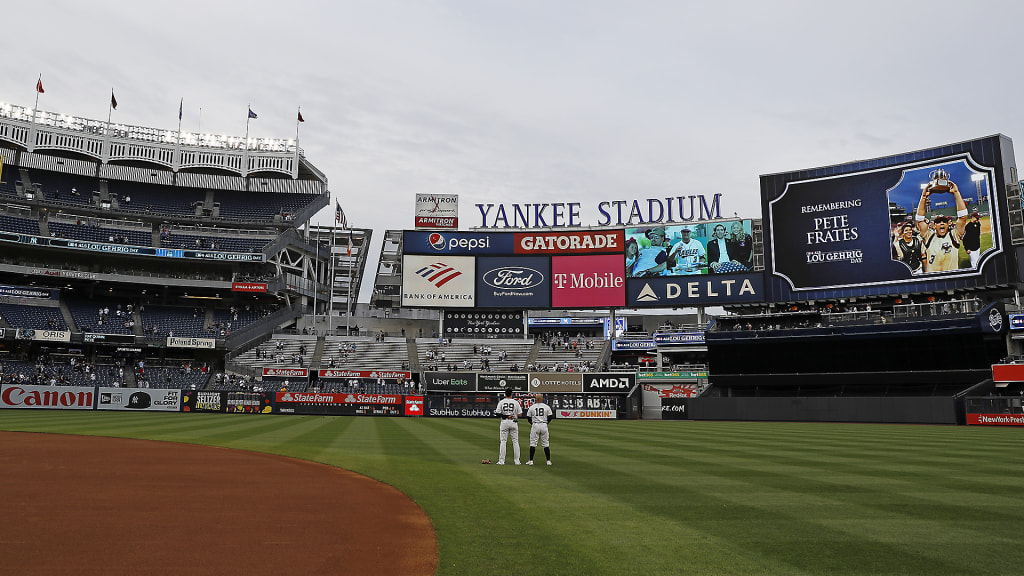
column 635, row 497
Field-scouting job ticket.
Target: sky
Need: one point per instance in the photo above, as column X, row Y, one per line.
column 529, row 101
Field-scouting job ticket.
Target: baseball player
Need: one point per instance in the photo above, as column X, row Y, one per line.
column 539, row 414
column 509, row 410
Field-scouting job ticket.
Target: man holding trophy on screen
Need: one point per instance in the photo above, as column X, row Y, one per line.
column 942, row 239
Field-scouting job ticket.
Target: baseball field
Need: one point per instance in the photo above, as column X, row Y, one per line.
column 638, row 497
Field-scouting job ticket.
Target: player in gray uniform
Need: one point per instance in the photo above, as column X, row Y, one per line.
column 509, row 409
column 539, row 414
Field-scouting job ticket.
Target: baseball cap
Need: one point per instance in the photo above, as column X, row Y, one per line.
column 660, row 230
column 975, row 215
column 685, row 229
column 139, row 400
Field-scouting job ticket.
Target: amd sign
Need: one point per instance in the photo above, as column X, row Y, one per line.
column 609, row 382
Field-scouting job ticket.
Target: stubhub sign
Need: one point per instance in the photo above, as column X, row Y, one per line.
column 417, row 242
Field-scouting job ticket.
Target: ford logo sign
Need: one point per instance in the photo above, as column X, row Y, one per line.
column 513, row 277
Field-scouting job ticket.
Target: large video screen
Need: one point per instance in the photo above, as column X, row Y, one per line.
column 702, row 248
column 930, row 220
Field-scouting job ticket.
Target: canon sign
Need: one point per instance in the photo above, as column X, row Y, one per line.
column 47, row 397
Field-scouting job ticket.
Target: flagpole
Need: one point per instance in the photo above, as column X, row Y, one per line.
column 330, row 310
column 35, row 107
column 35, row 112
column 348, row 297
column 199, row 130
column 110, row 107
column 316, row 281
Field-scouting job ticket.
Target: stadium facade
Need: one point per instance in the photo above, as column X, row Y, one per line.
column 139, row 258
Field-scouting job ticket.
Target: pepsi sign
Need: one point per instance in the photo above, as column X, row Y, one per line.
column 523, row 282
column 468, row 243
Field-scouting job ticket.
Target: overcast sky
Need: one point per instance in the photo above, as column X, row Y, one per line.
column 554, row 101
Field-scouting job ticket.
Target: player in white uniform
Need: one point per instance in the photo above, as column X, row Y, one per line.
column 509, row 409
column 689, row 254
column 539, row 414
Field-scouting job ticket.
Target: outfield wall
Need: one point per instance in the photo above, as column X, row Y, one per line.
column 905, row 410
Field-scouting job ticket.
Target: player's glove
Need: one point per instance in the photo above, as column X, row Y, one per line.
column 485, row 461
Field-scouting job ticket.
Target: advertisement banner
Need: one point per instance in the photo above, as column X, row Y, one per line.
column 547, row 382
column 584, row 402
column 345, row 404
column 203, row 401
column 586, row 414
column 23, row 292
column 44, row 335
column 176, row 342
column 679, row 338
column 248, row 287
column 250, row 402
column 149, row 400
column 498, row 382
column 504, row 282
column 457, row 243
column 331, row 398
column 414, row 405
column 449, row 381
column 587, row 282
column 437, row 211
column 675, row 409
column 633, row 345
column 706, row 290
column 286, row 373
column 904, row 223
column 429, row 281
column 375, row 374
column 1008, row 372
column 617, row 383
column 995, row 419
column 51, row 397
column 654, row 376
column 595, row 242
column 462, row 405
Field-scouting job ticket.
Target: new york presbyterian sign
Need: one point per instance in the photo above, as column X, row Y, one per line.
column 669, row 210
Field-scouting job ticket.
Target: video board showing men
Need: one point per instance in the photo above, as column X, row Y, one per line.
column 689, row 249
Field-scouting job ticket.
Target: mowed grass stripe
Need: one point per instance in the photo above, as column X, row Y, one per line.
column 661, row 497
column 738, row 523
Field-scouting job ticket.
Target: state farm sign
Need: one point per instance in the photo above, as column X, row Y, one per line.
column 387, row 374
column 286, row 372
column 59, row 397
column 318, row 398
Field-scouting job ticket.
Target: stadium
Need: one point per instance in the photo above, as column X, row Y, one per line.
column 173, row 283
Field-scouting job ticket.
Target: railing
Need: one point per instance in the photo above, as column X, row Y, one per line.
column 928, row 309
column 103, row 140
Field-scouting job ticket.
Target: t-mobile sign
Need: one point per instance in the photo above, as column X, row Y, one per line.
column 588, row 281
